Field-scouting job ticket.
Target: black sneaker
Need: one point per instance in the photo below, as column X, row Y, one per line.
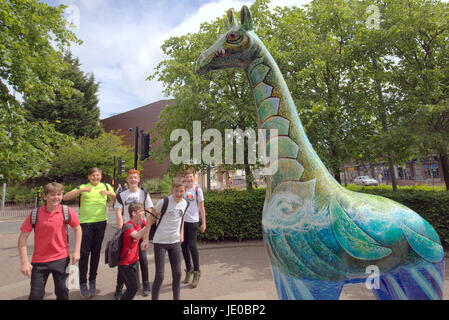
column 92, row 288
column 117, row 294
column 84, row 291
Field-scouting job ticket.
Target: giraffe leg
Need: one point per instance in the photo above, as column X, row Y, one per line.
column 291, row 288
column 424, row 282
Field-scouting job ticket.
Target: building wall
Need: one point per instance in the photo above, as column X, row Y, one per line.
column 145, row 118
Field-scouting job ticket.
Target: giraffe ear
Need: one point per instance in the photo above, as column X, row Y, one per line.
column 230, row 20
column 245, row 19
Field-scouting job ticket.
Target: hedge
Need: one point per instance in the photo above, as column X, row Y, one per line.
column 237, row 215
column 233, row 215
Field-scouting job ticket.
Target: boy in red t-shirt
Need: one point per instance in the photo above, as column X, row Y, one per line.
column 127, row 269
column 51, row 247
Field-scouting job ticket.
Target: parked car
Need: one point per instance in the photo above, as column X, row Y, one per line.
column 365, row 181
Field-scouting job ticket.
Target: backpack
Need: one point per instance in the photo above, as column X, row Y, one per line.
column 65, row 213
column 114, row 247
column 145, row 195
column 157, row 223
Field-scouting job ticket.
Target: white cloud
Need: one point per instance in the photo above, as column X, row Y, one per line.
column 122, row 42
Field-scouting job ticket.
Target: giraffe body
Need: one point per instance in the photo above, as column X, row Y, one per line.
column 319, row 235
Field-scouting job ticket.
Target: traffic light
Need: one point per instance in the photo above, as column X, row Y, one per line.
column 120, row 166
column 144, row 146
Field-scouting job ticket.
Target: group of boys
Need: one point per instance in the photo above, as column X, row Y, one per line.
column 183, row 210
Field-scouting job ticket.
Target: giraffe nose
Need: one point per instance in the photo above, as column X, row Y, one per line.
column 201, row 63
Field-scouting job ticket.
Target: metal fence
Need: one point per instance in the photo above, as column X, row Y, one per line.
column 12, row 210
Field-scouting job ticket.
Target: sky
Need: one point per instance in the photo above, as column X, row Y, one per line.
column 122, row 40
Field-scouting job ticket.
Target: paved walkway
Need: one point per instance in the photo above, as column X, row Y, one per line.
column 229, row 271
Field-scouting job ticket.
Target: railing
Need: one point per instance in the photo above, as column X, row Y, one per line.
column 12, row 210
column 19, row 210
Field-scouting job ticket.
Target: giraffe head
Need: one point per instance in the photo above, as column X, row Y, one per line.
column 233, row 49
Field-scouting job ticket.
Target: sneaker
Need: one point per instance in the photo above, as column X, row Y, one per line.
column 188, row 277
column 118, row 293
column 196, row 279
column 84, row 291
column 92, row 288
column 146, row 288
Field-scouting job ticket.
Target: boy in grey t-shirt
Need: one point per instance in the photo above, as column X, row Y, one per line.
column 168, row 238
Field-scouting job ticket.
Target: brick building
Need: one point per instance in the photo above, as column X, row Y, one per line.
column 145, row 118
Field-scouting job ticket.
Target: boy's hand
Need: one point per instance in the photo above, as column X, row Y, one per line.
column 25, row 268
column 145, row 244
column 75, row 257
column 203, row 227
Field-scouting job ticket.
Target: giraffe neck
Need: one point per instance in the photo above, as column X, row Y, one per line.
column 276, row 110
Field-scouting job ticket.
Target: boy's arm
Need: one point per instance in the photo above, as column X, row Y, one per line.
column 74, row 193
column 149, row 222
column 181, row 236
column 119, row 217
column 25, row 266
column 112, row 196
column 76, row 252
column 202, row 216
column 138, row 234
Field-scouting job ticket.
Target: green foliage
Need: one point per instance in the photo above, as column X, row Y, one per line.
column 220, row 101
column 165, row 185
column 152, row 185
column 25, row 148
column 75, row 159
column 19, row 194
column 233, row 214
column 29, row 65
column 76, row 114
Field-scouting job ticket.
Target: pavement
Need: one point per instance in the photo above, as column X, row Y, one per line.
column 229, row 271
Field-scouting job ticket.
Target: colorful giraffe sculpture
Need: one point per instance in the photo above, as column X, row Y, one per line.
column 319, row 235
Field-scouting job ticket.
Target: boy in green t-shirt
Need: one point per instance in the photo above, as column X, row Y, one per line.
column 93, row 218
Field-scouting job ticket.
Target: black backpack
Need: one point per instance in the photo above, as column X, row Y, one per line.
column 114, row 247
column 145, row 194
column 157, row 223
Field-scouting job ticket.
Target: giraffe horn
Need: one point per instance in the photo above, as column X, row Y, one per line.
column 230, row 21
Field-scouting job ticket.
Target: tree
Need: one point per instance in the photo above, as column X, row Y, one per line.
column 32, row 37
column 76, row 158
column 221, row 101
column 420, row 32
column 76, row 115
column 314, row 48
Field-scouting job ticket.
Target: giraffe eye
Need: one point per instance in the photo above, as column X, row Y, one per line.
column 232, row 36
